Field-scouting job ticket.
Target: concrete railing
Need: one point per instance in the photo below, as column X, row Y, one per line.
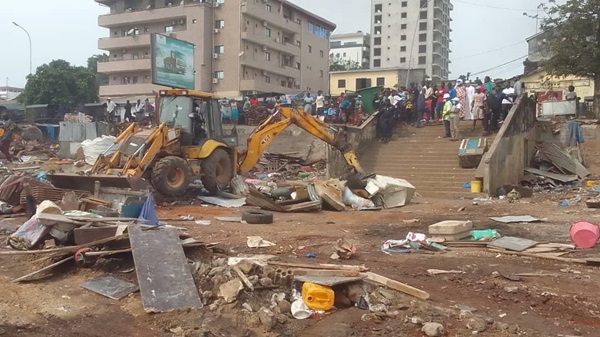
column 512, row 149
column 359, row 138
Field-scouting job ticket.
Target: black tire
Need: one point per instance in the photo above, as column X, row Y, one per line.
column 217, row 171
column 257, row 217
column 171, row 176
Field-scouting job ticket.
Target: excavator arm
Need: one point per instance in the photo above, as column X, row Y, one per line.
column 268, row 130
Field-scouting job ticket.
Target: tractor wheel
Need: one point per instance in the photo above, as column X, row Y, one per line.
column 217, row 171
column 171, row 176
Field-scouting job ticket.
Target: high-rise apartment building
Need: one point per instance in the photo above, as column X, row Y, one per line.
column 241, row 46
column 354, row 47
column 411, row 34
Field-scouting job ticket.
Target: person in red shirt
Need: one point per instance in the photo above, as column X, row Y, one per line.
column 439, row 93
column 253, row 100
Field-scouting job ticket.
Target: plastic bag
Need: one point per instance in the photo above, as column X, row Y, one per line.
column 92, row 149
column 351, row 199
column 28, row 235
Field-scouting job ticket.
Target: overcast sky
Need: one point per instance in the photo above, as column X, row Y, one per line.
column 485, row 34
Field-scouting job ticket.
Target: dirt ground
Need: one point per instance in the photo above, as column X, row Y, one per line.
column 562, row 304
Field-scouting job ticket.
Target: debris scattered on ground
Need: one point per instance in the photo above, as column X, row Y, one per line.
column 515, row 219
column 110, row 286
column 258, row 242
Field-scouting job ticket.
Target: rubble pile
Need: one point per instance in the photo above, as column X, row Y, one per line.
column 256, row 114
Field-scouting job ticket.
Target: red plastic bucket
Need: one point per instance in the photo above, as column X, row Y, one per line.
column 584, row 234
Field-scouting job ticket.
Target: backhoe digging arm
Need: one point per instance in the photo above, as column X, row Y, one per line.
column 265, row 133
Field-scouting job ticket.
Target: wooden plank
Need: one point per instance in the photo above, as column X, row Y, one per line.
column 317, row 272
column 64, row 250
column 164, row 277
column 91, row 234
column 243, row 277
column 26, row 277
column 319, row 266
column 393, row 284
column 542, row 256
column 555, row 176
column 329, row 281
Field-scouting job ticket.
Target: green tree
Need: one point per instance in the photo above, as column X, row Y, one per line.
column 58, row 82
column 92, row 65
column 574, row 45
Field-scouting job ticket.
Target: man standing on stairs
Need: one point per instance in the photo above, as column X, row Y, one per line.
column 385, row 125
column 455, row 115
column 446, row 115
column 420, row 107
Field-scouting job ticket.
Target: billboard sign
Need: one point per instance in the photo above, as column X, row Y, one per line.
column 172, row 62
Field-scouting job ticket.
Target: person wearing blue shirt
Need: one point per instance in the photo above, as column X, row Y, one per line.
column 451, row 91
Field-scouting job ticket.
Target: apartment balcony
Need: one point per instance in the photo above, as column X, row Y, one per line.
column 143, row 16
column 124, row 90
column 259, row 12
column 121, row 66
column 271, row 67
column 112, row 43
column 271, row 43
column 262, row 86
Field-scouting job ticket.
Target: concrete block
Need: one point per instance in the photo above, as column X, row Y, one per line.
column 452, row 237
column 450, row 227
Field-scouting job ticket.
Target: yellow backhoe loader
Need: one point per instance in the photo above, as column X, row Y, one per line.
column 190, row 142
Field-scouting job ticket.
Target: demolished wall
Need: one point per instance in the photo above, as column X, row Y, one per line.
column 359, row 137
column 512, row 149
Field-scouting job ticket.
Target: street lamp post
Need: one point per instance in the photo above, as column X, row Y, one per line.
column 30, row 50
column 412, row 46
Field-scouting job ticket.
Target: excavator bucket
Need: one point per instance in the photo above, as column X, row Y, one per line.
column 86, row 183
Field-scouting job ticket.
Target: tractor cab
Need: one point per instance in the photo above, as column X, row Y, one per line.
column 197, row 114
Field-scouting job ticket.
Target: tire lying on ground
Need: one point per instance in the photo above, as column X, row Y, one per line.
column 217, row 171
column 171, row 176
column 257, row 217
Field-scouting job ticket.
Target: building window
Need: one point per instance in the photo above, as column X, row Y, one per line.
column 134, row 80
column 380, row 81
column 268, row 7
column 377, row 52
column 318, row 30
column 322, row 53
column 299, row 21
column 403, row 48
column 403, row 15
column 219, row 49
column 267, row 56
column 378, row 8
column 377, row 30
column 422, row 60
column 310, row 49
column 403, row 60
column 402, row 37
column 341, row 83
column 423, row 26
column 219, row 74
column 423, row 48
column 423, row 15
column 298, row 43
column 377, row 63
column 377, row 41
column 403, row 26
column 322, row 73
column 423, row 37
column 169, row 29
column 298, row 65
column 267, row 31
column 404, row 3
column 267, row 79
column 220, row 24
column 378, row 19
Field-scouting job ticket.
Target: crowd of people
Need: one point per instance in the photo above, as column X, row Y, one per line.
column 140, row 111
column 447, row 103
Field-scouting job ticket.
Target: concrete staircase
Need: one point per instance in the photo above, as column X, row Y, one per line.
column 425, row 159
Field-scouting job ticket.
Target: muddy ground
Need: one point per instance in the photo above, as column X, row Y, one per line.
column 562, row 304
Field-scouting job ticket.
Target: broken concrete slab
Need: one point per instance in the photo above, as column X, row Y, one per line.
column 515, row 219
column 512, row 243
column 329, row 281
column 450, row 227
column 89, row 234
column 110, row 286
column 230, row 290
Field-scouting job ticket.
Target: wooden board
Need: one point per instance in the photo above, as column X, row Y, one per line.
column 555, row 176
column 512, row 243
column 329, row 281
column 393, row 284
column 86, row 235
column 110, row 287
column 164, row 277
